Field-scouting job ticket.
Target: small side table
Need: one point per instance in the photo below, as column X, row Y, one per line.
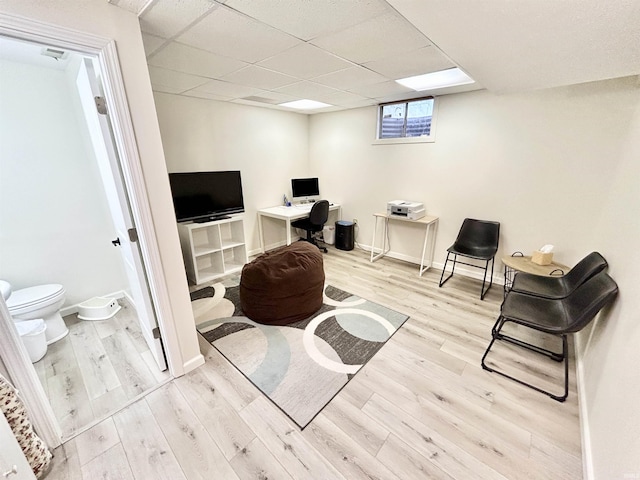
column 517, row 262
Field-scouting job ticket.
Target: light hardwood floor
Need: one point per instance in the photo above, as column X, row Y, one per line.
column 97, row 369
column 422, row 408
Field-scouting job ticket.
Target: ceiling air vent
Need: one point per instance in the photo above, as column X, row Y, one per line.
column 54, row 53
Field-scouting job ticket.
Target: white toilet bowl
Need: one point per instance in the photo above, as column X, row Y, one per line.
column 41, row 301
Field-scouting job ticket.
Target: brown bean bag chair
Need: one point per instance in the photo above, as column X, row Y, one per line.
column 284, row 285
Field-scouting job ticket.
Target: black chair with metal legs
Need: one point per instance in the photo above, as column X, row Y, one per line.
column 559, row 287
column 553, row 316
column 477, row 239
column 318, row 216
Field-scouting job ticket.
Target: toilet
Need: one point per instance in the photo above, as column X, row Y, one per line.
column 41, row 301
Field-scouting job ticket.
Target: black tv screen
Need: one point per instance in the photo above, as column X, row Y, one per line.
column 203, row 196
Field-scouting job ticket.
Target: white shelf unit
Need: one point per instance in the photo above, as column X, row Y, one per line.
column 213, row 249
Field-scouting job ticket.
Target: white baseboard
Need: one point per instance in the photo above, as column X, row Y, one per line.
column 71, row 309
column 192, row 364
column 587, row 458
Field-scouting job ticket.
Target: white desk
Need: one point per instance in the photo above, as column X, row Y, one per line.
column 430, row 224
column 287, row 214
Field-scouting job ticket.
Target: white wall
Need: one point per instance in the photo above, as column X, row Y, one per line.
column 269, row 147
column 55, row 225
column 555, row 166
column 100, row 18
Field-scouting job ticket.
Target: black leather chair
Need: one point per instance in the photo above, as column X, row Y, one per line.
column 315, row 222
column 477, row 239
column 553, row 316
column 559, row 287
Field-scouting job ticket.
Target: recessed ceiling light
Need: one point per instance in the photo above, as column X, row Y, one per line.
column 305, row 104
column 431, row 81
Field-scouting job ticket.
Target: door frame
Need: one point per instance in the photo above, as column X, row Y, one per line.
column 19, row 367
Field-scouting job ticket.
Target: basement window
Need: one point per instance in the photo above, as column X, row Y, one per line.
column 409, row 121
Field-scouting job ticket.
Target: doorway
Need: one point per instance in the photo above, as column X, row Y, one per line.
column 59, row 229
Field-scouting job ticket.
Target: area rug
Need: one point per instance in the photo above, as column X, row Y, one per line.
column 302, row 366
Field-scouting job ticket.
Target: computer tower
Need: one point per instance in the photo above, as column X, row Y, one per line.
column 345, row 237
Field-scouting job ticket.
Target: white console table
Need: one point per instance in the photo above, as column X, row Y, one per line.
column 287, row 214
column 430, row 224
column 213, row 249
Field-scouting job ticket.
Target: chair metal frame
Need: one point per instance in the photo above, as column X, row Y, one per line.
column 558, row 317
column 451, row 250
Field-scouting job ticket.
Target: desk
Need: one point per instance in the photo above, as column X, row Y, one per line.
column 517, row 262
column 429, row 222
column 287, row 214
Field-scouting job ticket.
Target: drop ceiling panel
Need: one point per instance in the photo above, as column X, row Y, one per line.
column 166, row 18
column 311, row 18
column 514, row 46
column 308, row 90
column 227, row 89
column 381, row 89
column 378, row 38
column 305, row 61
column 192, row 60
column 415, row 62
column 259, row 77
column 232, row 34
column 350, row 77
column 207, row 96
column 347, row 99
column 151, row 43
column 174, row 80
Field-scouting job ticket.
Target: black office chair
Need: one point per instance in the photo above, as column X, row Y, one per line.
column 315, row 222
column 559, row 287
column 553, row 316
column 477, row 239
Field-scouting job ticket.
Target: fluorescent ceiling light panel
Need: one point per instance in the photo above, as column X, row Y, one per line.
column 305, row 104
column 431, row 81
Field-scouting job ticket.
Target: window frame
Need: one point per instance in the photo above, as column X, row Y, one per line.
column 422, row 139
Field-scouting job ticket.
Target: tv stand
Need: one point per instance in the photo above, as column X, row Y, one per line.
column 212, row 249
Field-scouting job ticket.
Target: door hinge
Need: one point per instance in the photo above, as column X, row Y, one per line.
column 156, row 333
column 133, row 234
column 101, row 105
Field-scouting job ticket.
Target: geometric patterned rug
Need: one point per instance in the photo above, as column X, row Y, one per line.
column 301, row 366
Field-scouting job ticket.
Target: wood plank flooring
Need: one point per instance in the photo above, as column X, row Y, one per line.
column 97, row 369
column 422, row 408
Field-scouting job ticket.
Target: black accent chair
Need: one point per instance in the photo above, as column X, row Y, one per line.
column 559, row 287
column 477, row 239
column 318, row 216
column 553, row 316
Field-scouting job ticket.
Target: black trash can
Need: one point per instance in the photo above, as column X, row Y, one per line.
column 344, row 235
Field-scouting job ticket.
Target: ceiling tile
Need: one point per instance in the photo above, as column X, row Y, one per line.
column 207, row 96
column 151, row 43
column 184, row 58
column 163, row 89
column 308, row 90
column 346, row 98
column 350, row 77
column 416, row 62
column 167, row 18
column 305, row 61
column 380, row 89
column 232, row 34
column 311, row 18
column 227, row 89
column 259, row 77
column 380, row 37
column 176, row 80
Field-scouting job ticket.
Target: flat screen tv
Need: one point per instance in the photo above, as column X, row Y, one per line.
column 206, row 196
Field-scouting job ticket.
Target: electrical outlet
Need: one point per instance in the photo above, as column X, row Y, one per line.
column 355, row 220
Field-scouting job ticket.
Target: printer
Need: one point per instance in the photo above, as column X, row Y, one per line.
column 409, row 210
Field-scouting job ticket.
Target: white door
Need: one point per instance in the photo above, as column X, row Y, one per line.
column 89, row 88
column 13, row 464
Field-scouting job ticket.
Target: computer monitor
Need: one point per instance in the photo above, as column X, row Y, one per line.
column 305, row 189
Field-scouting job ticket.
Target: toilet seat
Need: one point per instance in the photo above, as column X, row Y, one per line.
column 27, row 299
